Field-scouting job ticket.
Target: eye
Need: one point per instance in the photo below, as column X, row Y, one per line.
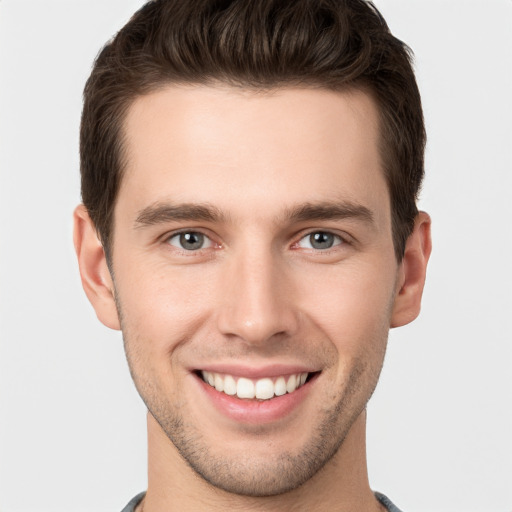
column 320, row 240
column 190, row 241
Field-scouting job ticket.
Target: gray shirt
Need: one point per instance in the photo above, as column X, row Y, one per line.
column 382, row 499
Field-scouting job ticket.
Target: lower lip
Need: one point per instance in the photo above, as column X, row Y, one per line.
column 256, row 411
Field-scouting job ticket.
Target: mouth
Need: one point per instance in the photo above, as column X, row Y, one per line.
column 260, row 389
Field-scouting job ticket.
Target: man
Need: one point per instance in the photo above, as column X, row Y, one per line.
column 250, row 170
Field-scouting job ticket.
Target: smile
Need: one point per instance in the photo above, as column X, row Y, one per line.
column 261, row 389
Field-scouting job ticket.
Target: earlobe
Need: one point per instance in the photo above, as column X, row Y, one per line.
column 96, row 279
column 412, row 272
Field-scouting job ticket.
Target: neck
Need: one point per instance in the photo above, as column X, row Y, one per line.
column 341, row 485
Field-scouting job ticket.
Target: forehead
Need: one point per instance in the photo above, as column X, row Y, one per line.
column 217, row 144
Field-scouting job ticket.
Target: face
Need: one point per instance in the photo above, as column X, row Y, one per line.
column 254, row 275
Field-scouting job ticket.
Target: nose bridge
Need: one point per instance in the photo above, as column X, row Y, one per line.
column 258, row 304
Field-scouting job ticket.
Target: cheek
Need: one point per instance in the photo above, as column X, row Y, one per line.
column 354, row 315
column 352, row 305
column 157, row 320
column 161, row 308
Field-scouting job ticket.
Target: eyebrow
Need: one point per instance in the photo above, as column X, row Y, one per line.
column 160, row 213
column 335, row 210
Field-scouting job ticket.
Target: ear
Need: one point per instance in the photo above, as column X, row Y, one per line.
column 96, row 279
column 412, row 272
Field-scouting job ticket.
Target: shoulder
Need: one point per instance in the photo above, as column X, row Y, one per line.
column 130, row 507
column 384, row 500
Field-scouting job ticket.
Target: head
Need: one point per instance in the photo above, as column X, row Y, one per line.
column 249, row 178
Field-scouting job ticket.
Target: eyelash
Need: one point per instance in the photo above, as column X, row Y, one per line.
column 190, row 232
column 341, row 240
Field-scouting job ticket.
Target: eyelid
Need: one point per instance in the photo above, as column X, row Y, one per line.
column 168, row 236
column 344, row 238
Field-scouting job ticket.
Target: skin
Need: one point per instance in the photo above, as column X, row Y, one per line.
column 257, row 292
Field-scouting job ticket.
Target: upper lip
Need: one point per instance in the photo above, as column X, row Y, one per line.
column 256, row 372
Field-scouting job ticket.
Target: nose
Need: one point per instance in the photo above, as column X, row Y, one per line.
column 257, row 303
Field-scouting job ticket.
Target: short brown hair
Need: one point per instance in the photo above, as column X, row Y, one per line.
column 262, row 44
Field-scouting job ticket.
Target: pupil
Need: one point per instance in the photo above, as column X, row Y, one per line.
column 191, row 241
column 321, row 240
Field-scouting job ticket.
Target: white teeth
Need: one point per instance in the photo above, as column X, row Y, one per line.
column 219, row 382
column 291, row 385
column 229, row 385
column 262, row 389
column 280, row 386
column 244, row 388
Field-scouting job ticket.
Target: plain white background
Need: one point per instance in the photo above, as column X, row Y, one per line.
column 72, row 428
